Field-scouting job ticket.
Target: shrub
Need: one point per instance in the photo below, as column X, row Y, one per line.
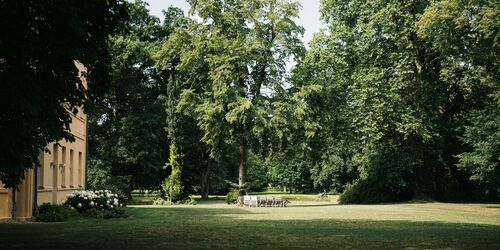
column 172, row 187
column 97, row 204
column 232, row 196
column 368, row 191
column 163, row 202
column 235, row 191
column 52, row 213
column 100, row 178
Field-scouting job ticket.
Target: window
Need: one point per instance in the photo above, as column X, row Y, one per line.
column 80, row 170
column 71, row 166
column 55, row 163
column 63, row 167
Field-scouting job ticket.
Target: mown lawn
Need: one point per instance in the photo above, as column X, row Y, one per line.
column 303, row 225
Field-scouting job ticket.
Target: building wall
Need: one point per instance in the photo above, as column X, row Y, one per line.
column 62, row 171
column 4, row 202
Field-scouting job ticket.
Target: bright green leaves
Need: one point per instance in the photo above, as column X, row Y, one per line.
column 172, row 186
column 239, row 111
column 483, row 162
column 398, row 79
column 453, row 24
column 465, row 33
column 440, row 20
column 188, row 102
column 237, row 49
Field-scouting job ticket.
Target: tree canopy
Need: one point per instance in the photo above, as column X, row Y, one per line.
column 392, row 101
column 40, row 85
column 399, row 86
column 236, row 58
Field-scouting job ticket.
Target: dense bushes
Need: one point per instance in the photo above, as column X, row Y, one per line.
column 235, row 191
column 98, row 204
column 232, row 196
column 162, row 202
column 52, row 213
column 371, row 191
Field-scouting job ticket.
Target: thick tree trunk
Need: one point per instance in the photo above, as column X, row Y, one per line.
column 243, row 161
column 205, row 180
column 13, row 212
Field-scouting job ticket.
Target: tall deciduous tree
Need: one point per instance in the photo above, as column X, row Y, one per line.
column 183, row 132
column 244, row 47
column 465, row 34
column 393, row 84
column 40, row 85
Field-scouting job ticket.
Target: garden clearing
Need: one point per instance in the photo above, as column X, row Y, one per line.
column 305, row 224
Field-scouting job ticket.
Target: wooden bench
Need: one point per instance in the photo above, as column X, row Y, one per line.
column 250, row 201
column 264, row 201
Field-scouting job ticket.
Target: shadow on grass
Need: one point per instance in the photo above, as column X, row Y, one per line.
column 164, row 211
column 493, row 207
column 211, row 201
column 314, row 205
column 142, row 201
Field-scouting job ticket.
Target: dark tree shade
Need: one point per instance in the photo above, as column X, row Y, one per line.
column 39, row 85
column 128, row 143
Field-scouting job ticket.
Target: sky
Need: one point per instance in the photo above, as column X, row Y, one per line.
column 309, row 15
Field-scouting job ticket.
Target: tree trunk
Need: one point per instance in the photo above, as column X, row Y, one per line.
column 13, row 212
column 205, row 180
column 243, row 162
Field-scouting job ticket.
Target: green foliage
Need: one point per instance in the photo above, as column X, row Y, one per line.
column 236, row 192
column 292, row 172
column 52, row 213
column 162, row 202
column 258, row 178
column 389, row 103
column 234, row 51
column 395, row 100
column 465, row 33
column 336, row 168
column 100, row 178
column 41, row 87
column 172, row 187
column 128, row 144
column 232, row 197
column 182, row 130
column 482, row 163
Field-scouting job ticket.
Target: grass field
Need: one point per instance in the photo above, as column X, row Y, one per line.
column 305, row 224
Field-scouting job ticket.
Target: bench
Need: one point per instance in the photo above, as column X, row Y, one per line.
column 250, row 201
column 264, row 201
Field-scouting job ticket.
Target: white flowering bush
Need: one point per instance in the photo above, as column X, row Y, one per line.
column 100, row 203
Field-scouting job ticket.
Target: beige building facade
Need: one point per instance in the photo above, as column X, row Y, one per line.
column 62, row 170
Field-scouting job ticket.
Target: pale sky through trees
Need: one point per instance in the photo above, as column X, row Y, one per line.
column 309, row 15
